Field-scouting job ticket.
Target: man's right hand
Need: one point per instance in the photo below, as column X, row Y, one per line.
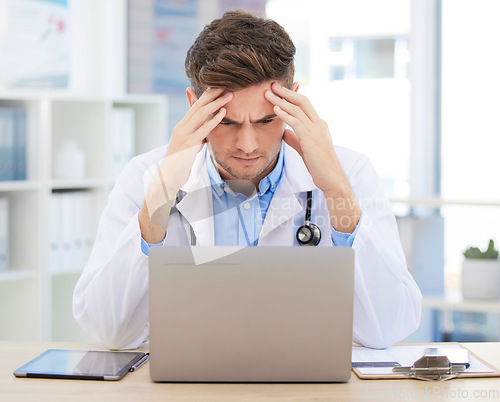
column 189, row 135
column 187, row 139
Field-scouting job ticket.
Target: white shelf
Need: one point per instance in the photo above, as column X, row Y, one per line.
column 80, row 184
column 35, row 302
column 138, row 99
column 62, row 272
column 454, row 301
column 17, row 275
column 23, row 95
column 20, row 185
column 440, row 202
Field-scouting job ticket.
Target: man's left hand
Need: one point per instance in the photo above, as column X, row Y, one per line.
column 311, row 139
column 310, row 136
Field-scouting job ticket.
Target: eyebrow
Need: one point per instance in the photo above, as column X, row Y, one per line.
column 268, row 117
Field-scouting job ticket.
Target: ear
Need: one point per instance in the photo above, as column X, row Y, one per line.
column 191, row 96
column 295, row 86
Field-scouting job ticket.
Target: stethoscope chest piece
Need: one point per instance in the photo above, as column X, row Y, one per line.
column 308, row 234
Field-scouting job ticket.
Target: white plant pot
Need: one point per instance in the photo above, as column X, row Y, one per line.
column 481, row 279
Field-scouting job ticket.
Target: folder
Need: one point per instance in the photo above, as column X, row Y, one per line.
column 4, row 234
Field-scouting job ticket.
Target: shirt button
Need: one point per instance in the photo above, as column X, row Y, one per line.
column 226, row 189
column 246, row 205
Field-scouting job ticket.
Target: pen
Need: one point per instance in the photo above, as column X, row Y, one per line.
column 140, row 362
column 374, row 364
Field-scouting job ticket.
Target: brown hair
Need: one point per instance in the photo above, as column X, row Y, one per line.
column 240, row 50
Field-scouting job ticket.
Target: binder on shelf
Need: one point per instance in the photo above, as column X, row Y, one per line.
column 6, row 147
column 88, row 238
column 78, row 229
column 3, row 146
column 20, row 145
column 55, row 233
column 12, row 144
column 68, row 218
column 4, row 234
column 70, row 235
column 122, row 138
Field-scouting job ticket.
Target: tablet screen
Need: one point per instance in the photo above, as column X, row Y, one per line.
column 98, row 365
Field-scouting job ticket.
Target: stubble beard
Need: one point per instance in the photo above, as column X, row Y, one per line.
column 247, row 176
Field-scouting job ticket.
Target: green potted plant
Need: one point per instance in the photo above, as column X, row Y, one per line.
column 481, row 273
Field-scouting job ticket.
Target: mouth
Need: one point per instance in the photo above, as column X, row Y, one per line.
column 246, row 161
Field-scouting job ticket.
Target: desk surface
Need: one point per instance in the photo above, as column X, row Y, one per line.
column 138, row 387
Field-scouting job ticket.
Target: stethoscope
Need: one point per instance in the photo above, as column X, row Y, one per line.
column 307, row 235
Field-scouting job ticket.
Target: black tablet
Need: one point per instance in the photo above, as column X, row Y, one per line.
column 81, row 364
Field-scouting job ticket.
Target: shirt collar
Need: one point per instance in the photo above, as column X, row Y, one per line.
column 215, row 180
column 268, row 183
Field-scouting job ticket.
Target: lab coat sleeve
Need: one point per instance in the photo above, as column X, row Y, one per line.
column 110, row 299
column 387, row 301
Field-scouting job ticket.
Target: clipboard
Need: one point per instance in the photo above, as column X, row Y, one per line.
column 378, row 373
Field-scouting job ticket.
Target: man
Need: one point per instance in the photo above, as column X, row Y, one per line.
column 233, row 174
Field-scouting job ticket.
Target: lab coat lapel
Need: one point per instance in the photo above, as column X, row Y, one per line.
column 197, row 205
column 284, row 204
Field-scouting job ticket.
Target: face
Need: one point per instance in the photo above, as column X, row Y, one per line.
column 246, row 144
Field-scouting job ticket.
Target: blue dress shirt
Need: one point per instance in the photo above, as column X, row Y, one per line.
column 238, row 220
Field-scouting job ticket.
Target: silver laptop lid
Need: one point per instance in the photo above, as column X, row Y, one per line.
column 260, row 314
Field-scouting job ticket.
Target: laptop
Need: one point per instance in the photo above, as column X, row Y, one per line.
column 253, row 314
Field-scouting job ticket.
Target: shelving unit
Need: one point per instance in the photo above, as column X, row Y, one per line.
column 35, row 298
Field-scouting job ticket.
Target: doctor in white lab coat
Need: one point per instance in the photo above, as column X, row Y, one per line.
column 242, row 131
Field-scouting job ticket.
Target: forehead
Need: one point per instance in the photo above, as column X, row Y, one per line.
column 250, row 102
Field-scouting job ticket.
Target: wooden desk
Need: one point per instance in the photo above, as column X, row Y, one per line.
column 138, row 387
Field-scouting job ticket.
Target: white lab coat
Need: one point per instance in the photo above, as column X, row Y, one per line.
column 110, row 299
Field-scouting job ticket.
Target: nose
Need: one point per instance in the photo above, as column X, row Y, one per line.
column 246, row 139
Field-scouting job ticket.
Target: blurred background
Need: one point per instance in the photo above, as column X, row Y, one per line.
column 413, row 84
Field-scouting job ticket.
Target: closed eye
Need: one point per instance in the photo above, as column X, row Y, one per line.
column 266, row 121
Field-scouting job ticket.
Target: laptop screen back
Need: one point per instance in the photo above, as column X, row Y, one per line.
column 260, row 314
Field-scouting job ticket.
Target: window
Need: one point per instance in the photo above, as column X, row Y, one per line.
column 470, row 127
column 352, row 63
column 368, row 58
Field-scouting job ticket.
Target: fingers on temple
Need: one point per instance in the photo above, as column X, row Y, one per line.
column 210, row 123
column 297, row 100
column 296, row 123
column 205, row 110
